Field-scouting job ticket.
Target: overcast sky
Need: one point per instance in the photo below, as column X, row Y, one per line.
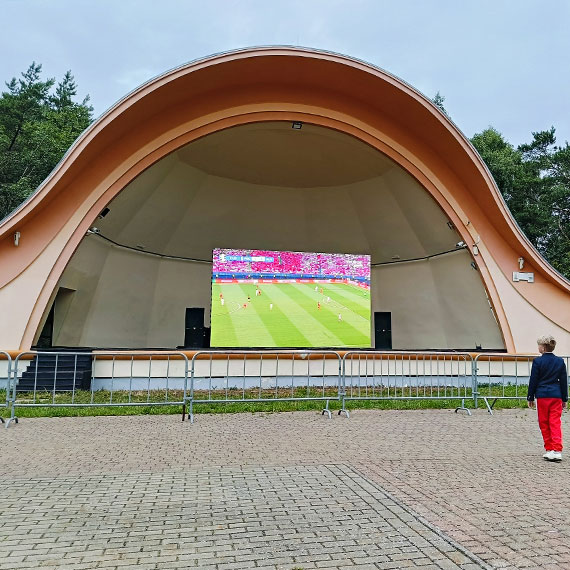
column 503, row 63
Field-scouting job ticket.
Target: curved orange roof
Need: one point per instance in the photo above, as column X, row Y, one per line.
column 276, row 83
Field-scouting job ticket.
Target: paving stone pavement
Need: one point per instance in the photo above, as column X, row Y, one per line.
column 218, row 518
column 151, row 492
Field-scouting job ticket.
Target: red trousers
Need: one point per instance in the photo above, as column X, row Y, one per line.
column 550, row 422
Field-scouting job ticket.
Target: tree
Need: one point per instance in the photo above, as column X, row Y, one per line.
column 37, row 126
column 534, row 180
column 438, row 101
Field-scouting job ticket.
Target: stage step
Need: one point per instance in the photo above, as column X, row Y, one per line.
column 57, row 372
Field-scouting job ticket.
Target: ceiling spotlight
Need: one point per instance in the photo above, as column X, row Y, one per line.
column 297, row 125
column 460, row 244
column 395, row 257
column 94, row 230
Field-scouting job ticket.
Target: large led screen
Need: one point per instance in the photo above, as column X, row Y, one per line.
column 289, row 299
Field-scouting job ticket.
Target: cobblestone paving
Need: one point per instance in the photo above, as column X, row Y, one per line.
column 221, row 518
column 479, row 479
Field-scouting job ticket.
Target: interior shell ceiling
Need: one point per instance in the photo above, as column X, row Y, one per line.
column 268, row 186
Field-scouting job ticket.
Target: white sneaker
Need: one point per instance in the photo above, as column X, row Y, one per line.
column 553, row 456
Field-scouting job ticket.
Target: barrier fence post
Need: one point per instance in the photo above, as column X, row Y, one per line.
column 475, row 382
column 5, row 356
column 191, row 399
column 342, row 393
column 462, row 406
column 567, row 362
column 11, row 393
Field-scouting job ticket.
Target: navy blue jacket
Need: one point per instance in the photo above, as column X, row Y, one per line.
column 548, row 378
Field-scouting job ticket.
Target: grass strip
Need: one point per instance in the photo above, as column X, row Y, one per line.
column 159, row 405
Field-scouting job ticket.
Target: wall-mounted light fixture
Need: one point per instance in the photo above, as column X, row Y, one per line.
column 297, row 125
column 520, row 276
column 17, row 239
column 476, row 246
column 521, row 262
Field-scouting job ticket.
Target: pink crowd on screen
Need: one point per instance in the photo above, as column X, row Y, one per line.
column 293, row 263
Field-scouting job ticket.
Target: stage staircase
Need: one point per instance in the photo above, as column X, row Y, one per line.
column 59, row 372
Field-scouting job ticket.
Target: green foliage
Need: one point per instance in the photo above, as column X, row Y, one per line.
column 534, row 180
column 438, row 101
column 37, row 125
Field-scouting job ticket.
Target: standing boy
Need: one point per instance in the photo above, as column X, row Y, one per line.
column 549, row 383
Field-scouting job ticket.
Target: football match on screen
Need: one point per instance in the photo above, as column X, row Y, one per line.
column 289, row 299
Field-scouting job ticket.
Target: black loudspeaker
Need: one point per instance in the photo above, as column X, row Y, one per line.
column 383, row 331
column 194, row 330
column 194, row 317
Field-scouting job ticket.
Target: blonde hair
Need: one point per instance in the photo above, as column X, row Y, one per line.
column 548, row 342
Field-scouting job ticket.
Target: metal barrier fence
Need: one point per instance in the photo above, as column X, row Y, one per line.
column 372, row 375
column 80, row 379
column 503, row 377
column 123, row 378
column 234, row 376
column 5, row 373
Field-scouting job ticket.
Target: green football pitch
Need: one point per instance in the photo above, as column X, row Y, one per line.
column 288, row 315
